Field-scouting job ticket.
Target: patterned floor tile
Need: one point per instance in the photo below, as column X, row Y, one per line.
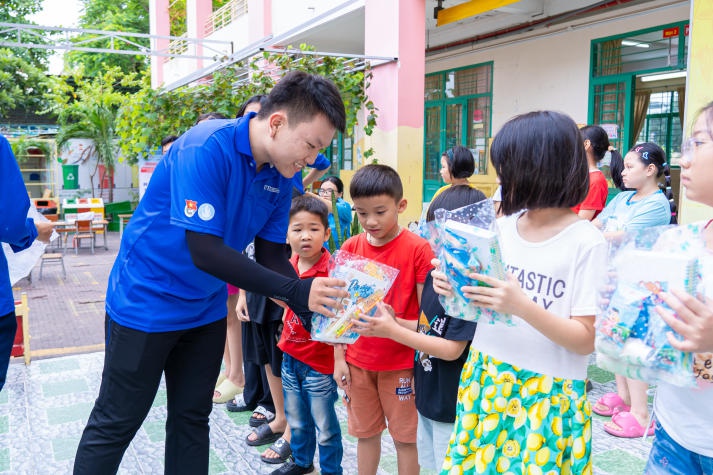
column 64, row 448
column 73, row 412
column 4, row 460
column 61, row 388
column 56, row 365
column 618, row 462
column 49, row 402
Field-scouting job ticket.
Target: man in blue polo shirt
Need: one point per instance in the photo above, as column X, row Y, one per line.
column 19, row 232
column 221, row 185
column 317, row 171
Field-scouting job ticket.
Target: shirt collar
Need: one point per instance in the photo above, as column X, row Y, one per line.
column 321, row 267
column 242, row 136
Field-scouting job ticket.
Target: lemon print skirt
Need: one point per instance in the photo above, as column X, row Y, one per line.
column 516, row 421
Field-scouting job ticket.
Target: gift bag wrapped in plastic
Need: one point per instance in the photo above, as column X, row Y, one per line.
column 465, row 240
column 368, row 282
column 630, row 335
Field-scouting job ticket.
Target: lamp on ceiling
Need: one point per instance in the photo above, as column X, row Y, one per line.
column 663, row 76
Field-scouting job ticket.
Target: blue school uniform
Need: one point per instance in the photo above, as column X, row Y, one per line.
column 207, row 183
column 320, row 163
column 16, row 228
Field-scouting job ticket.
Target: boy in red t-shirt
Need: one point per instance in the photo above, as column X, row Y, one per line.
column 377, row 373
column 307, row 365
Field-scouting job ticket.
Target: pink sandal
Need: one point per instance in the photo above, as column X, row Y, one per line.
column 624, row 424
column 609, row 404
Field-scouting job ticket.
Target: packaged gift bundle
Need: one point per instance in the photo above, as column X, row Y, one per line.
column 466, row 241
column 631, row 336
column 368, row 282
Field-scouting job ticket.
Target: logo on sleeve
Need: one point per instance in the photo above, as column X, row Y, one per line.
column 191, row 208
column 206, row 211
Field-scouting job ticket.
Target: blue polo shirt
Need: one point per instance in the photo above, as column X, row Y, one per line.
column 320, row 163
column 207, row 183
column 16, row 228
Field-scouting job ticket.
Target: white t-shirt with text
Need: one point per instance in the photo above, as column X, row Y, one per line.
column 560, row 274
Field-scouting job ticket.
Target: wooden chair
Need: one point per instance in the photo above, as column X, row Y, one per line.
column 55, row 258
column 83, row 229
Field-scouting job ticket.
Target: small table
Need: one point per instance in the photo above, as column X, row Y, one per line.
column 66, row 227
column 123, row 217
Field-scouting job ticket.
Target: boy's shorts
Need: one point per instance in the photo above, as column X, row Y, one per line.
column 375, row 397
column 433, row 438
column 260, row 345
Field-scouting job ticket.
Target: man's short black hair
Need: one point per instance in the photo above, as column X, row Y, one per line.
column 540, row 160
column 311, row 205
column 375, row 180
column 304, row 96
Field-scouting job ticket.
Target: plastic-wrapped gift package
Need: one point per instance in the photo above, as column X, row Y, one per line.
column 368, row 282
column 631, row 337
column 465, row 240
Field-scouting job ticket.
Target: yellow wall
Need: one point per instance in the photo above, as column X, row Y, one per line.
column 401, row 149
column 698, row 88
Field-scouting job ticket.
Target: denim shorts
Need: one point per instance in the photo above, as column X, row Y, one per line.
column 668, row 457
column 432, row 441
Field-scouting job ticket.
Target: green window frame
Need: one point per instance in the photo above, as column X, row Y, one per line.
column 457, row 111
column 615, row 63
column 663, row 123
column 341, row 153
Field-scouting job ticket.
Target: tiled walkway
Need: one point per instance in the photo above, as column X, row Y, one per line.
column 44, row 407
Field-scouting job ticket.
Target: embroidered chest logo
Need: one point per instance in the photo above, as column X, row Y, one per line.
column 271, row 189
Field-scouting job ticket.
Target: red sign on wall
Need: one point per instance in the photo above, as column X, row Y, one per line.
column 670, row 32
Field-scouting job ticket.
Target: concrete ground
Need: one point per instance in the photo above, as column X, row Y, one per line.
column 44, row 406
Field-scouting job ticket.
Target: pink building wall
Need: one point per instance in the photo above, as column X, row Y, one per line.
column 398, row 87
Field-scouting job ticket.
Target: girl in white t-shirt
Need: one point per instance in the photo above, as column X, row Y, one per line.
column 683, row 442
column 522, row 404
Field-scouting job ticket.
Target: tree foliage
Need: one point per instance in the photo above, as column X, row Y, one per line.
column 18, row 11
column 150, row 114
column 87, row 108
column 22, row 84
column 131, row 16
column 23, row 80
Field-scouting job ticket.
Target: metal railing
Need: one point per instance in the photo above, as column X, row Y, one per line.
column 225, row 15
column 177, row 47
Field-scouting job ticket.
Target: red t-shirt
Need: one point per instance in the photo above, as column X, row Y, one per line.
column 295, row 339
column 411, row 255
column 597, row 195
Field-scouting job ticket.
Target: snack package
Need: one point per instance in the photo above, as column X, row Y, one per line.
column 466, row 240
column 631, row 336
column 368, row 282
